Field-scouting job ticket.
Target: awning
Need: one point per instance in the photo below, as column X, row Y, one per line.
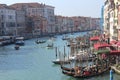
column 101, row 45
column 106, row 51
column 113, row 42
column 95, row 38
column 118, row 43
column 115, row 52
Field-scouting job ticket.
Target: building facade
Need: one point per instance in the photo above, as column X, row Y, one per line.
column 8, row 20
column 20, row 23
column 112, row 19
column 42, row 15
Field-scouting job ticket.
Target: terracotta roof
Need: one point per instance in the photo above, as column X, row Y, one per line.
column 28, row 5
column 4, row 6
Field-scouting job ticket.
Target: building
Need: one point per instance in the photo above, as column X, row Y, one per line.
column 20, row 23
column 112, row 19
column 7, row 20
column 38, row 12
column 50, row 17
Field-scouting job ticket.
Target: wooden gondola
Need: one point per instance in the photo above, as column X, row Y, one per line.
column 68, row 73
column 67, row 69
column 91, row 75
column 71, row 72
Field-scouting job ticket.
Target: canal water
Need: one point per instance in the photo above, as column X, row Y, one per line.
column 34, row 62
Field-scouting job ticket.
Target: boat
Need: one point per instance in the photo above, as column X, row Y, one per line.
column 17, row 47
column 40, row 41
column 71, row 72
column 58, row 61
column 65, row 37
column 68, row 73
column 19, row 41
column 67, row 69
column 49, row 46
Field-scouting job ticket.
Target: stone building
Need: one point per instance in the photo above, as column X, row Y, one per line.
column 7, row 20
column 38, row 12
column 20, row 23
column 111, row 19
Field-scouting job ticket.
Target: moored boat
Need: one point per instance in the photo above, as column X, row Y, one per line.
column 19, row 41
column 40, row 41
column 58, row 61
column 49, row 46
column 83, row 74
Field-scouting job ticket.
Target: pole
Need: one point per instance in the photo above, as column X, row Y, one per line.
column 111, row 74
column 56, row 52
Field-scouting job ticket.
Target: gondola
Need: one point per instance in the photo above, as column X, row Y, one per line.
column 71, row 72
column 68, row 73
column 67, row 69
column 91, row 75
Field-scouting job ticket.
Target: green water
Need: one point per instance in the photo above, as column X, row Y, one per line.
column 34, row 62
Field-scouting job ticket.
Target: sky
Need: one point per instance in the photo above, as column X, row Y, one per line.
column 88, row 8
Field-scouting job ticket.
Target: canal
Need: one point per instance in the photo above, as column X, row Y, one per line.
column 34, row 62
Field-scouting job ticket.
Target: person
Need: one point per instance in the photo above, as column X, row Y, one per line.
column 111, row 74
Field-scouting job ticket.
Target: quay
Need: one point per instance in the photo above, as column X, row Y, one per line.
column 115, row 69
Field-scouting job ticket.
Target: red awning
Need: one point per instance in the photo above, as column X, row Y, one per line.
column 113, row 42
column 101, row 45
column 115, row 52
column 95, row 38
column 118, row 43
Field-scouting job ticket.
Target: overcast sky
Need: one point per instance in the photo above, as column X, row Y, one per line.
column 89, row 8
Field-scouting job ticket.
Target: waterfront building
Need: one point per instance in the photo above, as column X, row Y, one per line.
column 64, row 24
column 58, row 23
column 111, row 19
column 76, row 23
column 86, row 23
column 38, row 12
column 7, row 20
column 20, row 23
column 50, row 17
column 95, row 23
column 68, row 24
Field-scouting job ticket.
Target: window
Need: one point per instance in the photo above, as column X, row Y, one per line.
column 9, row 17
